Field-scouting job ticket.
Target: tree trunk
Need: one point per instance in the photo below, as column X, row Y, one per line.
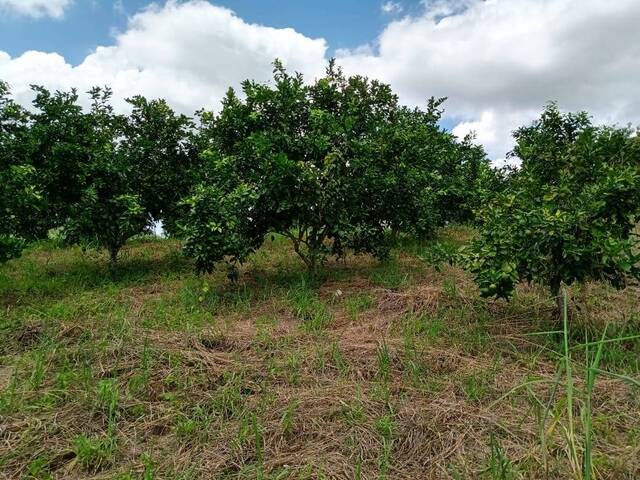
column 113, row 258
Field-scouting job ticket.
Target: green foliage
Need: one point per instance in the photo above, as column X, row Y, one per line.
column 329, row 165
column 95, row 453
column 293, row 159
column 219, row 225
column 430, row 177
column 160, row 145
column 569, row 212
column 109, row 209
column 20, row 202
column 59, row 143
column 100, row 176
column 20, row 199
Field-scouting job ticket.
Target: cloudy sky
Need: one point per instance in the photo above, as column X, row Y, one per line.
column 498, row 61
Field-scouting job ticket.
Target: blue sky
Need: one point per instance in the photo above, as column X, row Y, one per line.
column 90, row 23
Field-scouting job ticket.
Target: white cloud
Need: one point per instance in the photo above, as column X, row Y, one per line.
column 500, row 61
column 186, row 52
column 35, row 8
column 391, row 7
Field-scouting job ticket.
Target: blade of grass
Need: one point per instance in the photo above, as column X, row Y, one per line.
column 587, row 416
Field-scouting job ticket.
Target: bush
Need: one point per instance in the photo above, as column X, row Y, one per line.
column 570, row 211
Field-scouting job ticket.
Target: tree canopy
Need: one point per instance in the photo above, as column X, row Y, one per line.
column 331, row 165
column 335, row 165
column 568, row 214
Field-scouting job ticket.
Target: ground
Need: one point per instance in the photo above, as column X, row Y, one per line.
column 365, row 370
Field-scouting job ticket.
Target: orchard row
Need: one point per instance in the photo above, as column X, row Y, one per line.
column 336, row 166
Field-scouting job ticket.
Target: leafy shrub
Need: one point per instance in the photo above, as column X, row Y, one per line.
column 570, row 211
column 20, row 199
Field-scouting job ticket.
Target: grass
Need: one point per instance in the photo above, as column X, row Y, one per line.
column 366, row 370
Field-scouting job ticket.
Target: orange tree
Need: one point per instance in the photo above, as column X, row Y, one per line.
column 300, row 160
column 570, row 211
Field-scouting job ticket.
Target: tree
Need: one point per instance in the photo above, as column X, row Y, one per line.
column 432, row 177
column 60, row 137
column 109, row 210
column 160, row 145
column 20, row 198
column 569, row 212
column 296, row 159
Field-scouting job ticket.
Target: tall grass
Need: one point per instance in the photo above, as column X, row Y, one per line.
column 569, row 407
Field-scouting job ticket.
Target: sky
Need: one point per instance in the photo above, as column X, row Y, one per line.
column 498, row 61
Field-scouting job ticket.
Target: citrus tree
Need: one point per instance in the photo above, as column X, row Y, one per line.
column 59, row 142
column 110, row 209
column 159, row 144
column 300, row 160
column 20, row 197
column 432, row 178
column 570, row 212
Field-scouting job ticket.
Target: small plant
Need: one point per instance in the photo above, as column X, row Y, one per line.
column 353, row 412
column 288, row 420
column 384, row 362
column 294, row 363
column 476, row 386
column 149, row 467
column 338, row 359
column 37, row 374
column 107, row 401
column 258, row 439
column 390, row 275
column 312, row 311
column 385, row 426
column 384, row 460
column 566, row 398
column 95, row 453
column 499, row 466
column 423, row 324
column 39, row 468
column 356, row 304
column 139, row 382
column 228, row 401
column 196, row 424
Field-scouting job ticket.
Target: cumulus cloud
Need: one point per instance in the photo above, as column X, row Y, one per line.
column 500, row 61
column 188, row 53
column 35, row 8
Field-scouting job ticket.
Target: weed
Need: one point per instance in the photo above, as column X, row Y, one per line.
column 384, row 460
column 384, row 362
column 288, row 420
column 228, row 401
column 499, row 466
column 309, row 309
column 357, row 304
column 385, row 426
column 37, row 374
column 95, row 453
column 107, row 400
column 476, row 386
column 149, row 467
column 338, row 359
column 353, row 412
column 390, row 275
column 196, row 424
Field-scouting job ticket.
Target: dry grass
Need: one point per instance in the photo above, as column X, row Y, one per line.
column 393, row 371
